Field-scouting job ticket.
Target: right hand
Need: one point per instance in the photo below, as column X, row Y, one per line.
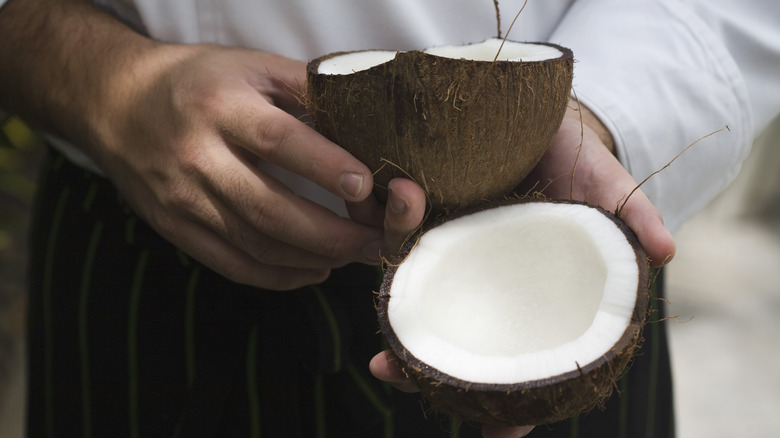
column 181, row 143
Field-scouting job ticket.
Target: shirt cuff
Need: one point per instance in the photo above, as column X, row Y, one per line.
column 659, row 78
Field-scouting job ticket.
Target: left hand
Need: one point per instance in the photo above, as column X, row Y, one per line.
column 599, row 179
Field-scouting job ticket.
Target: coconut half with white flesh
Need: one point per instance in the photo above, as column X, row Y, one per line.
column 465, row 125
column 521, row 314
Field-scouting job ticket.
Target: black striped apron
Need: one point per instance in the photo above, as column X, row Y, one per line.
column 129, row 337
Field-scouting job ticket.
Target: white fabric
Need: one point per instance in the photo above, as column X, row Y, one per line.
column 642, row 66
column 662, row 70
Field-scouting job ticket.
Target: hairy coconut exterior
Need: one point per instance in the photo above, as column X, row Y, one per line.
column 533, row 402
column 466, row 131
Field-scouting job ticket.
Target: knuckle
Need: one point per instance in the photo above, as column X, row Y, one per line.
column 208, row 101
column 179, row 196
column 164, row 223
column 256, row 238
column 187, row 202
column 271, row 133
column 262, row 216
column 335, row 246
column 263, row 250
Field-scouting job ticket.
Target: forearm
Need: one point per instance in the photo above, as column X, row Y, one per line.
column 66, row 63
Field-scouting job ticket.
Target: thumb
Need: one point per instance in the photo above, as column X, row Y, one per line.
column 646, row 221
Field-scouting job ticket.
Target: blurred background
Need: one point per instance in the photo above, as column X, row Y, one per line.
column 724, row 284
column 20, row 156
column 723, row 288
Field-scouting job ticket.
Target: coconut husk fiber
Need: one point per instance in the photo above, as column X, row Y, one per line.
column 466, row 131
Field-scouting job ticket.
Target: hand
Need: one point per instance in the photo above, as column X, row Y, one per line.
column 599, row 178
column 183, row 150
column 180, row 128
column 401, row 217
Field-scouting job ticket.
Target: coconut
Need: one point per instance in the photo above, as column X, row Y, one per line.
column 511, row 313
column 521, row 314
column 467, row 122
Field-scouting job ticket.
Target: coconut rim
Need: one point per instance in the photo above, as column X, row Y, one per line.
column 623, row 347
column 314, row 64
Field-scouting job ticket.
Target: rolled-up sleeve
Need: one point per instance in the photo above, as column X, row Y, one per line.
column 661, row 74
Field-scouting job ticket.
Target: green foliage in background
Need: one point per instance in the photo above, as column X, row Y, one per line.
column 18, row 147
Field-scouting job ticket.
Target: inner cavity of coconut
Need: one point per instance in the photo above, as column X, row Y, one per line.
column 516, row 293
column 352, row 62
column 486, row 51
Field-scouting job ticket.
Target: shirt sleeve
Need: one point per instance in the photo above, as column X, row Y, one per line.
column 662, row 74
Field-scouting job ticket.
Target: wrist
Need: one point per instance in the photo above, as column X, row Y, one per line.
column 69, row 65
column 103, row 76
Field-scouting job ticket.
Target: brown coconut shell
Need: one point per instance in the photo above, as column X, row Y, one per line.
column 466, row 131
column 531, row 402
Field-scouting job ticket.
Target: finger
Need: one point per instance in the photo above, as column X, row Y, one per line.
column 281, row 139
column 214, row 214
column 600, row 179
column 286, row 83
column 269, row 208
column 612, row 187
column 369, row 212
column 641, row 216
column 490, row 431
column 213, row 251
column 400, row 217
column 404, row 213
column 384, row 368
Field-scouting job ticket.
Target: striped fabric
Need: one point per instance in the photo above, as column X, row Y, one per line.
column 129, row 337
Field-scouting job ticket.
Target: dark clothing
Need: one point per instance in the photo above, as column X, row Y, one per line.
column 130, row 337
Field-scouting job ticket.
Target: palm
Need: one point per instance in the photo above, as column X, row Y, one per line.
column 579, row 166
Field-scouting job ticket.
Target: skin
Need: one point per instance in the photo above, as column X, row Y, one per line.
column 599, row 179
column 178, row 129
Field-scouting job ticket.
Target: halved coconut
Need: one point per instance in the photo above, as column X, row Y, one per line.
column 521, row 314
column 465, row 127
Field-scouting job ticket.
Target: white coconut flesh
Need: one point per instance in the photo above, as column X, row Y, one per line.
column 516, row 293
column 485, row 51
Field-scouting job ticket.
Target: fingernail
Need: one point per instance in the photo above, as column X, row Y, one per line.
column 351, row 184
column 397, row 204
column 372, row 252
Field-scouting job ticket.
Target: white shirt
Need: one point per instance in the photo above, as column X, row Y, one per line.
column 659, row 74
